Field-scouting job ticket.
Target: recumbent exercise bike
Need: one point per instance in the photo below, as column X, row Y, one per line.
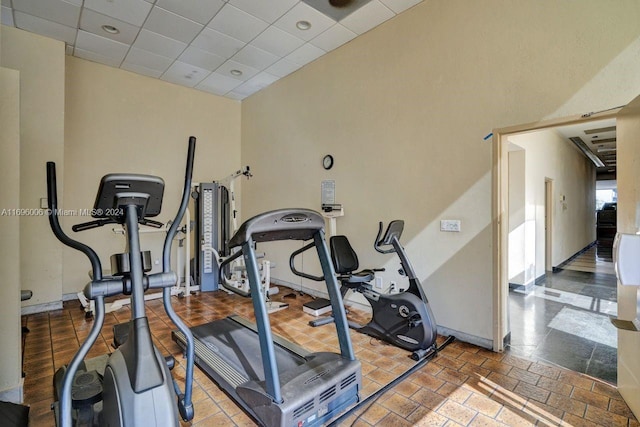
column 404, row 319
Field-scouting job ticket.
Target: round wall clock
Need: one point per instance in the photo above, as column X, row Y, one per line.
column 327, row 162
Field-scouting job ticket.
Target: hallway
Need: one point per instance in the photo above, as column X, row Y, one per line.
column 565, row 319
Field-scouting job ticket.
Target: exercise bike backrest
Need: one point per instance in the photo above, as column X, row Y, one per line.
column 394, row 231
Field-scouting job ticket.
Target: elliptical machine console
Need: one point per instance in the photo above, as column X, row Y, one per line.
column 135, row 387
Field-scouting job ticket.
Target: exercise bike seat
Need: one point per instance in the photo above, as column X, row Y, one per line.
column 345, row 263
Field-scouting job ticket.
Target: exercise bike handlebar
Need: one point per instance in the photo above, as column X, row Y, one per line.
column 52, row 204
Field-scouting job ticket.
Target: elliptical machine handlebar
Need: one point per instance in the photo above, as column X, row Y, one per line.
column 52, row 204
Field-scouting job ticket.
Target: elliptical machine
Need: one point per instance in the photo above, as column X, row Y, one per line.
column 404, row 319
column 135, row 387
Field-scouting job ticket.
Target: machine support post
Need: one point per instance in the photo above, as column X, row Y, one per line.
column 337, row 306
column 135, row 261
column 267, row 351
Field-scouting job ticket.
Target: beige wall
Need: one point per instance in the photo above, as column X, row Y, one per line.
column 521, row 272
column 10, row 369
column 549, row 156
column 628, row 133
column 117, row 121
column 40, row 61
column 404, row 109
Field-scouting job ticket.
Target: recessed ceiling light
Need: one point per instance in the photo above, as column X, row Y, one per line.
column 236, row 72
column 303, row 25
column 110, row 29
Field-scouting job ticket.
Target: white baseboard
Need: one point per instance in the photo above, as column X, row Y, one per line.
column 14, row 394
column 40, row 308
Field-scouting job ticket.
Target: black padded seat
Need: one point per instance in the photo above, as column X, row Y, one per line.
column 345, row 262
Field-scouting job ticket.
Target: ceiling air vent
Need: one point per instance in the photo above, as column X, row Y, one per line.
column 585, row 150
column 336, row 9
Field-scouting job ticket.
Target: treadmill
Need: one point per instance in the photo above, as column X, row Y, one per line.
column 277, row 382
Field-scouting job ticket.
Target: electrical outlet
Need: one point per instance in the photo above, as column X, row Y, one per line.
column 450, row 225
column 378, row 283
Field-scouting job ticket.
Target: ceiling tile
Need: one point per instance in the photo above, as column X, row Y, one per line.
column 247, row 71
column 237, row 23
column 93, row 21
column 267, row 11
column 304, row 12
column 46, row 28
column 215, row 42
column 101, row 45
column 282, row 68
column 131, row 11
column 5, row 3
column 399, row 6
column 139, row 69
column 159, row 44
column 7, row 16
column 174, row 26
column 200, row 11
column 233, row 95
column 255, row 57
column 95, row 57
column 367, row 17
column 254, row 84
column 59, row 11
column 200, row 58
column 144, row 58
column 218, row 84
column 276, row 41
column 334, row 37
column 305, row 54
column 185, row 74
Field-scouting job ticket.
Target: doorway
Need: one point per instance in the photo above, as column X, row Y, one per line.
column 550, row 205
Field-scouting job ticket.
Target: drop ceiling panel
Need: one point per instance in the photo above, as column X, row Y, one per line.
column 185, row 74
column 59, row 11
column 217, row 43
column 181, row 41
column 282, row 68
column 277, row 41
column 333, row 38
column 399, row 6
column 170, row 25
column 255, row 57
column 305, row 54
column 149, row 60
column 159, row 44
column 238, row 24
column 102, row 46
column 369, row 16
column 93, row 21
column 201, row 58
column 46, row 28
column 219, row 84
column 132, row 11
column 138, row 69
column 200, row 11
column 302, row 12
column 247, row 71
column 268, row 11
